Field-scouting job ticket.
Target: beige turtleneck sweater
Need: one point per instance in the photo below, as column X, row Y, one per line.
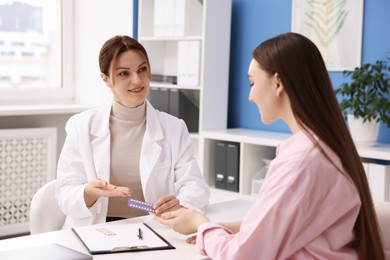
column 127, row 128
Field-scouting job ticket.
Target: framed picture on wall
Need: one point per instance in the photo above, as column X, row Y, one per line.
column 335, row 26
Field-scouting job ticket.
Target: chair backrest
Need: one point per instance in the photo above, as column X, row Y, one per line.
column 45, row 215
column 383, row 212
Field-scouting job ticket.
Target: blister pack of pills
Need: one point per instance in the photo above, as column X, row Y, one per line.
column 142, row 205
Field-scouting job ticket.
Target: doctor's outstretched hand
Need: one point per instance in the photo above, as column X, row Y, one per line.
column 97, row 188
column 185, row 221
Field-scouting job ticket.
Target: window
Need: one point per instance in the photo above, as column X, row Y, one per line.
column 35, row 44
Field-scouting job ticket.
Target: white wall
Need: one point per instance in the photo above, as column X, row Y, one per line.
column 95, row 22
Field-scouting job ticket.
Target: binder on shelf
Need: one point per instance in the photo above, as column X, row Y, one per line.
column 232, row 166
column 159, row 98
column 194, row 63
column 220, row 165
column 177, row 103
column 179, row 18
column 174, row 102
column 154, row 97
column 158, row 18
column 169, row 18
column 188, row 64
column 227, row 165
column 164, row 100
column 182, row 62
column 189, row 110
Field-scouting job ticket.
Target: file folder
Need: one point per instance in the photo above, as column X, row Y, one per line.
column 188, row 63
column 189, row 110
column 227, row 156
column 154, row 98
column 220, row 163
column 164, row 100
column 232, row 166
column 174, row 102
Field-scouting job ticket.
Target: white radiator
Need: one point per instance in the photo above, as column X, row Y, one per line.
column 27, row 161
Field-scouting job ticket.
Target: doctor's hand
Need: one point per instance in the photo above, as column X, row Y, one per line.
column 166, row 204
column 97, row 188
column 185, row 221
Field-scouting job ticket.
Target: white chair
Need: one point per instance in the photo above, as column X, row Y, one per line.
column 45, row 215
column 383, row 213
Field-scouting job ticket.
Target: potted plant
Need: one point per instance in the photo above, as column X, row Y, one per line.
column 366, row 100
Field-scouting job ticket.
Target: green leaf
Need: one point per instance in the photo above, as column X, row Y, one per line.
column 367, row 95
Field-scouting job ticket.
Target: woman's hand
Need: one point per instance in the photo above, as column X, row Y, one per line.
column 97, row 188
column 191, row 240
column 166, row 204
column 185, row 221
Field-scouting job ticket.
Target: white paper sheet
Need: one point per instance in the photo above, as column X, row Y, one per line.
column 119, row 237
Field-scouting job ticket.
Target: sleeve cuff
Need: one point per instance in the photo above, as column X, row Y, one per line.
column 202, row 232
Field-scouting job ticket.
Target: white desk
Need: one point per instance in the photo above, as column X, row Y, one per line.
column 220, row 212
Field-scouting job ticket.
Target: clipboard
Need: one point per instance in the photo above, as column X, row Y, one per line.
column 116, row 238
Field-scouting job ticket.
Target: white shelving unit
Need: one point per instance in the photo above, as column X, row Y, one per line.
column 377, row 152
column 207, row 22
column 255, row 146
column 163, row 26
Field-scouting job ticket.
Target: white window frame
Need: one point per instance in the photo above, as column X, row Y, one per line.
column 66, row 92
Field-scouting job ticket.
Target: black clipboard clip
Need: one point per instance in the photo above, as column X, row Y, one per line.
column 128, row 248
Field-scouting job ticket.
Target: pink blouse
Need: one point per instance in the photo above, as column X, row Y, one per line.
column 306, row 209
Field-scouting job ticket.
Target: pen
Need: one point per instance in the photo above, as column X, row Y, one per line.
column 140, row 233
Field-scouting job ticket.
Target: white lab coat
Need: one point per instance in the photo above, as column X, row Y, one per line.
column 167, row 164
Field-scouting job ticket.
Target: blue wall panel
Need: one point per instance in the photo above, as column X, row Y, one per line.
column 255, row 21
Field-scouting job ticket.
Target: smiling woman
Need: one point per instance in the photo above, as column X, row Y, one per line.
column 34, row 35
column 136, row 72
column 126, row 148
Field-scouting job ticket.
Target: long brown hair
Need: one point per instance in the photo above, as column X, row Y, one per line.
column 306, row 81
column 114, row 47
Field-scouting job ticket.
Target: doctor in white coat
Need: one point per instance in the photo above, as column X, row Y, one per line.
column 126, row 149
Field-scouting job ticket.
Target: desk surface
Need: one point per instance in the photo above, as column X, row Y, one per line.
column 220, row 212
